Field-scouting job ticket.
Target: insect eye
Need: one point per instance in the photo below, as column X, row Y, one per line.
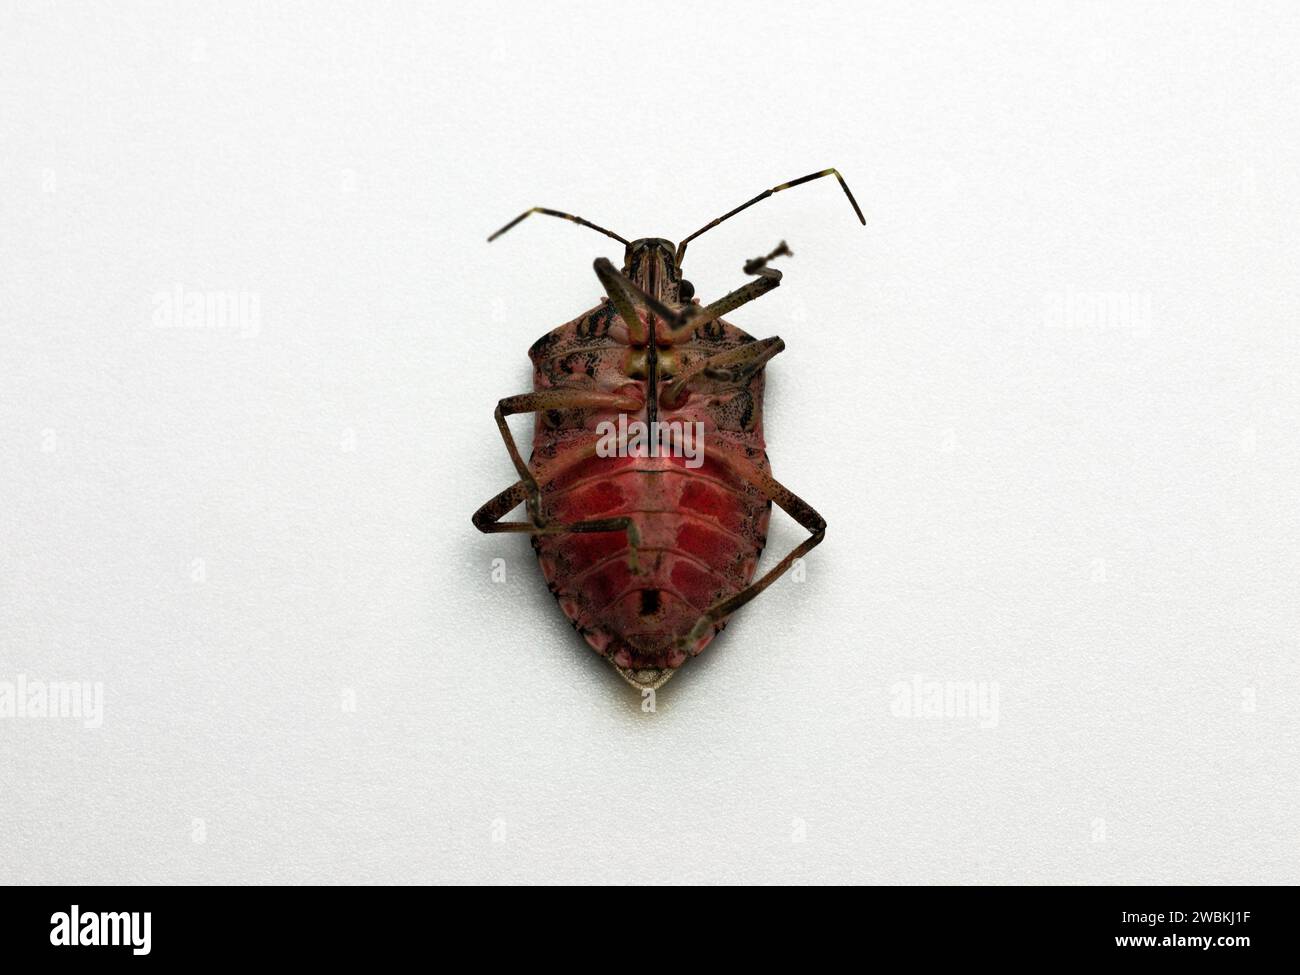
column 685, row 290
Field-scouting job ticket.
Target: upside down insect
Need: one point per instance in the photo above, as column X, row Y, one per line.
column 647, row 553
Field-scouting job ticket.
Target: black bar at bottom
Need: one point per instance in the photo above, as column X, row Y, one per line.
column 96, row 926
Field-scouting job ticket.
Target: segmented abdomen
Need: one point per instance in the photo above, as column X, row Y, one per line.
column 701, row 528
column 701, row 533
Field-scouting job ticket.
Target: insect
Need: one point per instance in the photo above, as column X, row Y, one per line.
column 649, row 551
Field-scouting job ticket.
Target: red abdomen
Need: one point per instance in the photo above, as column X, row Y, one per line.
column 700, row 525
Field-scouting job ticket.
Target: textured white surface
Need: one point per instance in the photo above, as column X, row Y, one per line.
column 1098, row 515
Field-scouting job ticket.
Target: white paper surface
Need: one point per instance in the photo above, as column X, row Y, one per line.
column 1046, row 400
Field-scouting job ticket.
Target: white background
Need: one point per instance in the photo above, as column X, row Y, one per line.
column 234, row 530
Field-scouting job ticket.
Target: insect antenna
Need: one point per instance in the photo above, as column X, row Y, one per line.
column 681, row 248
column 556, row 213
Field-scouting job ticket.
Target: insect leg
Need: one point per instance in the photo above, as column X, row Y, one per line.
column 488, row 518
column 551, row 399
column 769, row 278
column 793, row 505
column 626, row 294
column 732, row 366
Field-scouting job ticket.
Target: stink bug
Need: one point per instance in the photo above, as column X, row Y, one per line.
column 650, row 541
